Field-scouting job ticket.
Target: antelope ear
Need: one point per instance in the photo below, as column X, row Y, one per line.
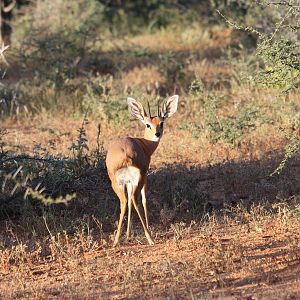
column 136, row 109
column 170, row 106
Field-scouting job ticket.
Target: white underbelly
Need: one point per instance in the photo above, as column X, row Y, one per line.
column 128, row 175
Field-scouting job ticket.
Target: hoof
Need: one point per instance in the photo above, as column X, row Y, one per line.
column 116, row 243
column 151, row 242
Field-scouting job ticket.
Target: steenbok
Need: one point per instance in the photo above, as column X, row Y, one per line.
column 128, row 161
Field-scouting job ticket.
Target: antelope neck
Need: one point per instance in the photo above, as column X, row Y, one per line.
column 149, row 146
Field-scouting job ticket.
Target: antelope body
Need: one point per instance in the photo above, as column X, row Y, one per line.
column 128, row 161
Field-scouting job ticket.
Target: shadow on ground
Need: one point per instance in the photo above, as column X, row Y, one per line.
column 188, row 191
column 177, row 192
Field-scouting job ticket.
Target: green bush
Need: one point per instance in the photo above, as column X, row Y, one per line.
column 48, row 179
column 281, row 64
column 230, row 129
column 136, row 16
column 279, row 51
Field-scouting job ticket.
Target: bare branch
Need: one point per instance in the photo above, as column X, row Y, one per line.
column 9, row 7
column 2, row 50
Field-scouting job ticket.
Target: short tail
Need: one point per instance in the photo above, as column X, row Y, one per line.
column 127, row 159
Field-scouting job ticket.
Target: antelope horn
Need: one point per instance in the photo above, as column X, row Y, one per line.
column 158, row 109
column 149, row 109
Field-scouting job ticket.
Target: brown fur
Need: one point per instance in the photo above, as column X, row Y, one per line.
column 136, row 152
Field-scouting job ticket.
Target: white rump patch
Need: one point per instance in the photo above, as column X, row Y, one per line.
column 128, row 175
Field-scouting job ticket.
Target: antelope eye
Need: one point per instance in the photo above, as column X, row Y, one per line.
column 148, row 126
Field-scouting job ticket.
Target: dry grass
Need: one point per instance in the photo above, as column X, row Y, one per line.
column 240, row 240
column 223, row 258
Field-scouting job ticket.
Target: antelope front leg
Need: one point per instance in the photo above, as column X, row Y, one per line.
column 135, row 193
column 144, row 202
column 129, row 192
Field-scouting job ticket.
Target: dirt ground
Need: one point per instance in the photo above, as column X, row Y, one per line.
column 231, row 264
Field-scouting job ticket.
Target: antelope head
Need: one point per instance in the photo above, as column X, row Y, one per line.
column 154, row 125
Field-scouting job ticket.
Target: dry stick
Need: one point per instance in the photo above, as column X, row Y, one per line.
column 27, row 157
column 2, row 50
column 52, row 236
column 99, row 145
column 9, row 7
column 239, row 27
column 285, row 4
column 279, row 25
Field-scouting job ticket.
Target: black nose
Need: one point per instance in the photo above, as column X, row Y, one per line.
column 157, row 134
